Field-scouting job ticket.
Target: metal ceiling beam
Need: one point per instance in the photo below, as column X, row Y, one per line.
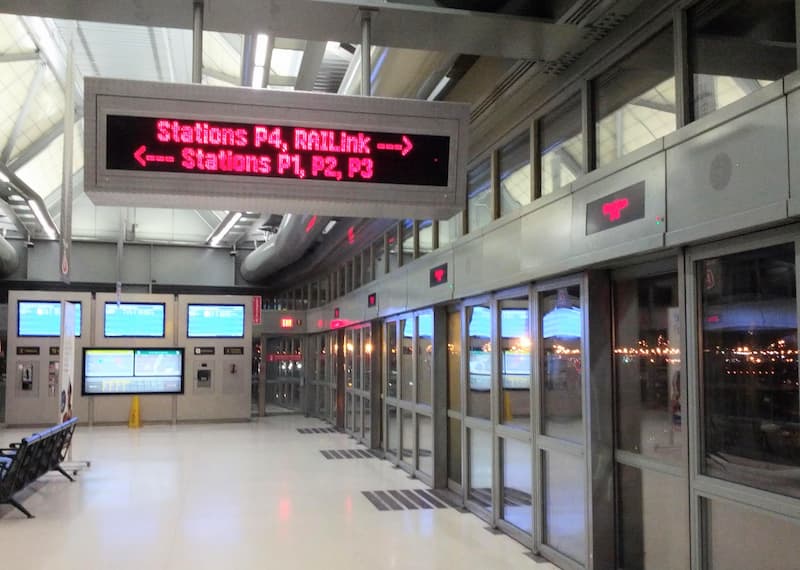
column 37, row 146
column 569, row 162
column 246, row 72
column 310, row 66
column 53, row 199
column 655, row 105
column 221, row 76
column 9, row 212
column 282, row 80
column 16, row 57
column 151, row 33
column 33, row 88
column 209, row 218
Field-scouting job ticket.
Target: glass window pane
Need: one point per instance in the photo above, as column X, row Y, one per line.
column 454, row 361
column 517, row 484
column 394, row 249
column 479, row 196
column 565, row 504
column 392, row 430
column 357, row 273
column 425, row 444
column 366, row 265
column 357, row 416
column 349, row 413
column 408, row 241
column 425, row 358
column 480, row 362
column 379, row 262
column 367, row 364
column 450, row 230
column 425, row 237
column 738, row 47
column 391, row 357
column 349, row 357
column 407, row 360
column 515, row 363
column 635, row 99
column 562, row 393
column 407, row 435
column 739, row 538
column 515, row 173
column 653, row 520
column 647, row 365
column 561, row 145
column 367, row 420
column 454, row 450
column 750, row 393
column 480, row 467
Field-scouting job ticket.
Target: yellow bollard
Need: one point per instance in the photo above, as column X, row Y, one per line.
column 507, row 407
column 134, row 421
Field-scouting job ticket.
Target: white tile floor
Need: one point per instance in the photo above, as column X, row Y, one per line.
column 235, row 496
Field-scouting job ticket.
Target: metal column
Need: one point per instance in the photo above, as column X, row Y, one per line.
column 366, row 47
column 197, row 43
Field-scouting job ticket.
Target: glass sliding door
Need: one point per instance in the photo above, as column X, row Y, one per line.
column 358, row 354
column 454, row 409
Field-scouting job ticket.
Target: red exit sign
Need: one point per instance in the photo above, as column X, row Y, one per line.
column 615, row 209
column 438, row 275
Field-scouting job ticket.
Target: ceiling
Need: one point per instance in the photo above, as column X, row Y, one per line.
column 421, row 46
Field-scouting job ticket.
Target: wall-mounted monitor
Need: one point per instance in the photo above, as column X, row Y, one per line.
column 131, row 320
column 214, row 321
column 117, row 371
column 43, row 318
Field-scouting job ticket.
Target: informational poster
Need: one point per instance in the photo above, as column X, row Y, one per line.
column 67, row 361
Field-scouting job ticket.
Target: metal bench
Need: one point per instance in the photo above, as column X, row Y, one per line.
column 40, row 453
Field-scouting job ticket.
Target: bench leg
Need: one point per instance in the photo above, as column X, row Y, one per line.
column 24, row 511
column 64, row 473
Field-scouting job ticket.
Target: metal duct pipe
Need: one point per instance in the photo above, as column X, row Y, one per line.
column 9, row 260
column 295, row 235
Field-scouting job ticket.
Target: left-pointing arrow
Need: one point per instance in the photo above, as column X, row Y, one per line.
column 138, row 155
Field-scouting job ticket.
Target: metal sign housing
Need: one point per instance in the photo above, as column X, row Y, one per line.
column 205, row 147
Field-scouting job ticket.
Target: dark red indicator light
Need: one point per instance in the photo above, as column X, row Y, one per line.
column 372, row 299
column 336, row 313
column 299, row 152
column 310, row 224
column 438, row 275
column 351, row 235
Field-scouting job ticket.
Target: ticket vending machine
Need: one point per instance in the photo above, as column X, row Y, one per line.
column 33, row 362
column 217, row 333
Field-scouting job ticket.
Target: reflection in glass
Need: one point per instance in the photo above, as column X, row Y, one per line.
column 454, row 450
column 425, row 444
column 480, row 467
column 348, row 413
column 560, row 328
column 517, row 484
column 392, row 430
column 367, row 419
column 751, row 397
column 393, row 249
column 378, row 259
column 367, row 362
column 454, row 361
column 635, row 99
column 564, row 504
column 561, row 145
column 407, row 435
column 425, row 237
column 355, row 349
column 407, row 229
column 514, row 163
column 407, row 360
column 479, row 196
column 450, row 229
column 425, row 358
column 480, row 361
column 647, row 363
column 515, row 363
column 653, row 520
column 391, row 357
column 737, row 47
column 357, row 416
column 740, row 538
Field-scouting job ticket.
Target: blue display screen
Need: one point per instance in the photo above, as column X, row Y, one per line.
column 215, row 321
column 134, row 320
column 109, row 371
column 43, row 318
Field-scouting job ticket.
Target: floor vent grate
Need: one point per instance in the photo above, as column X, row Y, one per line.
column 317, row 430
column 346, row 454
column 404, row 500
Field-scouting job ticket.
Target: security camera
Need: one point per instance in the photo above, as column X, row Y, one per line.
column 232, row 253
column 29, row 243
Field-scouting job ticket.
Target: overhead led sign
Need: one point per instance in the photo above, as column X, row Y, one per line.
column 201, row 146
column 615, row 209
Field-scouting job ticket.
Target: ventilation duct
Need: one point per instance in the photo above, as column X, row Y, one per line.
column 295, row 235
column 9, row 260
